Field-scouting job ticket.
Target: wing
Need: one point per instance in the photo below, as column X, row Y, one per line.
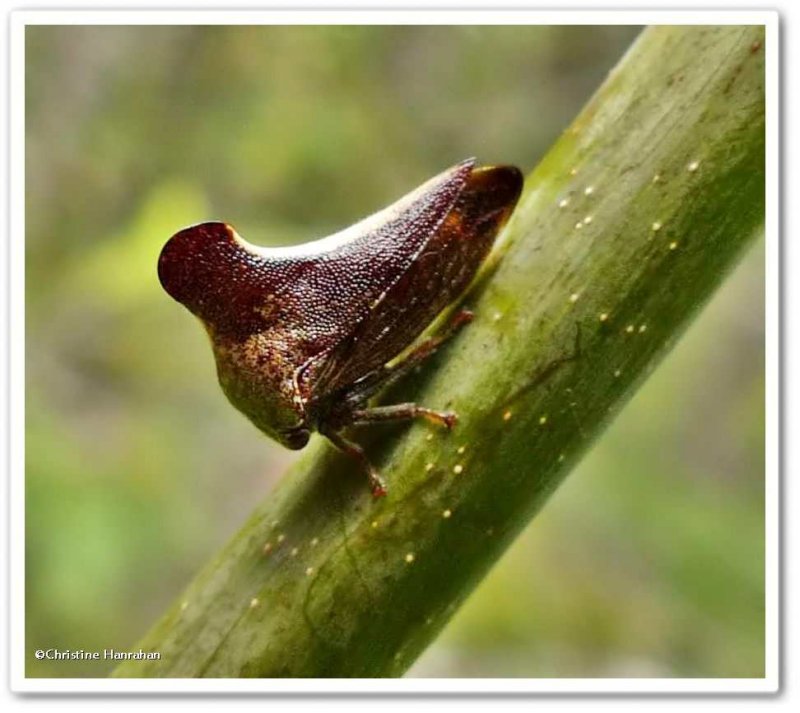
column 441, row 270
column 336, row 282
column 329, row 311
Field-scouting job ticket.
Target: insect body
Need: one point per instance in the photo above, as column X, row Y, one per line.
column 302, row 336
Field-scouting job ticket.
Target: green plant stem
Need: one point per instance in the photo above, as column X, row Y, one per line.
column 624, row 230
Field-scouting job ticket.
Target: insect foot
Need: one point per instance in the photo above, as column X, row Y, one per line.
column 377, row 485
column 448, row 419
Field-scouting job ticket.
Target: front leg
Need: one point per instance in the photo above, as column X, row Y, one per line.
column 376, row 483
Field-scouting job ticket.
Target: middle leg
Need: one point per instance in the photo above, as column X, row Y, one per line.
column 404, row 412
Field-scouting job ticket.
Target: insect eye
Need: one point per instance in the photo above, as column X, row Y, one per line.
column 296, row 438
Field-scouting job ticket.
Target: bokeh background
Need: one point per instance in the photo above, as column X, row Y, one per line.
column 648, row 561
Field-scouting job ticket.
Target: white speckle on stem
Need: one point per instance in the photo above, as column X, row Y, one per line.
column 693, row 166
column 409, row 558
column 458, row 468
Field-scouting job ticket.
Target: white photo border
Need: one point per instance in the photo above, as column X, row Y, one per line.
column 19, row 20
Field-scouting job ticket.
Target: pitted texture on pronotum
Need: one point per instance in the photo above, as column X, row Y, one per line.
column 301, row 335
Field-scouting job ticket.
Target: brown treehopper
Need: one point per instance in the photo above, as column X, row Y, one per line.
column 303, row 336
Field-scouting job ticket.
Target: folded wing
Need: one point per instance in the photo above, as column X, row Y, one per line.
column 446, row 261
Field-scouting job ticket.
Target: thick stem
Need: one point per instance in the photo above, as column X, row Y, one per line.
column 624, row 230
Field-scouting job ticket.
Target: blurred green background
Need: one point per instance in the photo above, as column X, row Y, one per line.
column 649, row 561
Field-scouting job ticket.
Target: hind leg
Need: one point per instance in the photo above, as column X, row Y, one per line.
column 387, row 375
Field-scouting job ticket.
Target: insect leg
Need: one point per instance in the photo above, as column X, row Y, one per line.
column 376, row 483
column 386, row 376
column 404, row 412
column 429, row 346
